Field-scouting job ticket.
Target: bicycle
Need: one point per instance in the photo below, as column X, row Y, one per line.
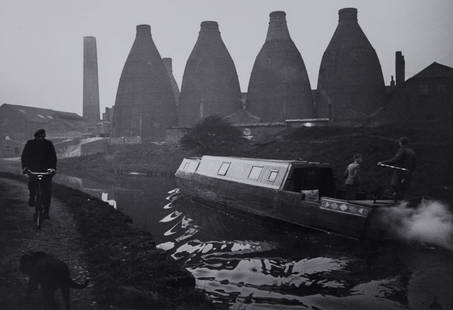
column 39, row 176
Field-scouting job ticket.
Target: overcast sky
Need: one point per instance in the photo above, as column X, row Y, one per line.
column 41, row 45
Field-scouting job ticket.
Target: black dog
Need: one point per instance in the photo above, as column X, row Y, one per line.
column 51, row 273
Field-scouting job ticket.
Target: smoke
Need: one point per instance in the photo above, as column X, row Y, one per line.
column 429, row 222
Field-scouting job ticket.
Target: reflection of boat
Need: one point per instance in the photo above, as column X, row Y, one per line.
column 297, row 192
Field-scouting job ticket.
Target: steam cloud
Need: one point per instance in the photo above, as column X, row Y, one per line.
column 429, row 222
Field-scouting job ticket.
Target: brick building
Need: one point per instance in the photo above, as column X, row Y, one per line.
column 427, row 97
column 18, row 123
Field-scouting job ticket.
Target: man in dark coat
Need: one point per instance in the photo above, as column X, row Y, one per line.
column 39, row 156
column 404, row 158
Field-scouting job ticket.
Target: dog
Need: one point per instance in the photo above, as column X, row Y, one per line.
column 49, row 272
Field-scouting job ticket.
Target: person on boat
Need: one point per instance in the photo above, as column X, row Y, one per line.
column 401, row 178
column 39, row 156
column 351, row 175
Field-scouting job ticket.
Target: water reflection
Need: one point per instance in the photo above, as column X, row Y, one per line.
column 139, row 197
column 243, row 262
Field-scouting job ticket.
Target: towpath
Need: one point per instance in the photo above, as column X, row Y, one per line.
column 58, row 236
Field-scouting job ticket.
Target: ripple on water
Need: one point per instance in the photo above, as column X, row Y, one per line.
column 171, row 217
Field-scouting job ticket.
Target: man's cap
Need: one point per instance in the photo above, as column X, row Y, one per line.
column 40, row 133
column 404, row 140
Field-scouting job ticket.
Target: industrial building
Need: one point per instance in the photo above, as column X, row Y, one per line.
column 279, row 87
column 18, row 124
column 350, row 81
column 425, row 98
column 145, row 101
column 210, row 83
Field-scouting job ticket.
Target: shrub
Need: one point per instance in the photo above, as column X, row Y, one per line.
column 213, row 135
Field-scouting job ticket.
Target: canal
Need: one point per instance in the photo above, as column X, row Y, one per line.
column 244, row 262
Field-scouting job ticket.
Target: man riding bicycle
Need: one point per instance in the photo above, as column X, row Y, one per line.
column 39, row 155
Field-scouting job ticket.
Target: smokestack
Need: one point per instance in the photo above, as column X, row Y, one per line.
column 143, row 31
column 168, row 63
column 350, row 75
column 279, row 87
column 145, row 102
column 210, row 84
column 277, row 30
column 90, row 80
column 209, row 26
column 400, row 68
column 347, row 15
column 169, row 67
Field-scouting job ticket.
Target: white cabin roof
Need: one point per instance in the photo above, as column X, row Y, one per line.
column 269, row 173
column 258, row 172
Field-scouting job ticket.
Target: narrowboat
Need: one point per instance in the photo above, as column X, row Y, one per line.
column 293, row 191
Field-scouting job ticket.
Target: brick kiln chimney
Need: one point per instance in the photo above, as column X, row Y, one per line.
column 400, row 68
column 145, row 102
column 168, row 63
column 350, row 75
column 210, row 84
column 90, row 80
column 279, row 87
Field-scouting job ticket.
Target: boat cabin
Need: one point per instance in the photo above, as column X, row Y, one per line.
column 297, row 192
column 282, row 175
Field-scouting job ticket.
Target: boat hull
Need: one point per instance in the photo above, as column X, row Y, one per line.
column 277, row 204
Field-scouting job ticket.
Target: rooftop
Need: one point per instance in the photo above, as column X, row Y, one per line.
column 41, row 115
column 434, row 71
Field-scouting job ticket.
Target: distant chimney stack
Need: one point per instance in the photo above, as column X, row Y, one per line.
column 400, row 68
column 168, row 63
column 392, row 82
column 90, row 80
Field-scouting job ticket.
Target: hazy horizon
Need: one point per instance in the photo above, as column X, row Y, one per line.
column 41, row 58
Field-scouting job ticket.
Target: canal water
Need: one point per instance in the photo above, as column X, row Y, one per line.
column 243, row 262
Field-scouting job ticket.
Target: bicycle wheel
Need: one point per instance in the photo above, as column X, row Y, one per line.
column 38, row 209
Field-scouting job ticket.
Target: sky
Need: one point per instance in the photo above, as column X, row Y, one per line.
column 41, row 42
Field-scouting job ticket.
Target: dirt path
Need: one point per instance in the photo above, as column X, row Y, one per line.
column 17, row 235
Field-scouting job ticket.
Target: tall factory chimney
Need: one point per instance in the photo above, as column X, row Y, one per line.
column 90, row 80
column 210, row 84
column 145, row 103
column 400, row 68
column 350, row 81
column 279, row 87
column 168, row 63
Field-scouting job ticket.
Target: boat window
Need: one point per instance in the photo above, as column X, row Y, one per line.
column 255, row 172
column 224, row 168
column 311, row 178
column 273, row 175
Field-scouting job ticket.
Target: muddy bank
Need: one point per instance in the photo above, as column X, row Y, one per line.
column 58, row 237
column 125, row 267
